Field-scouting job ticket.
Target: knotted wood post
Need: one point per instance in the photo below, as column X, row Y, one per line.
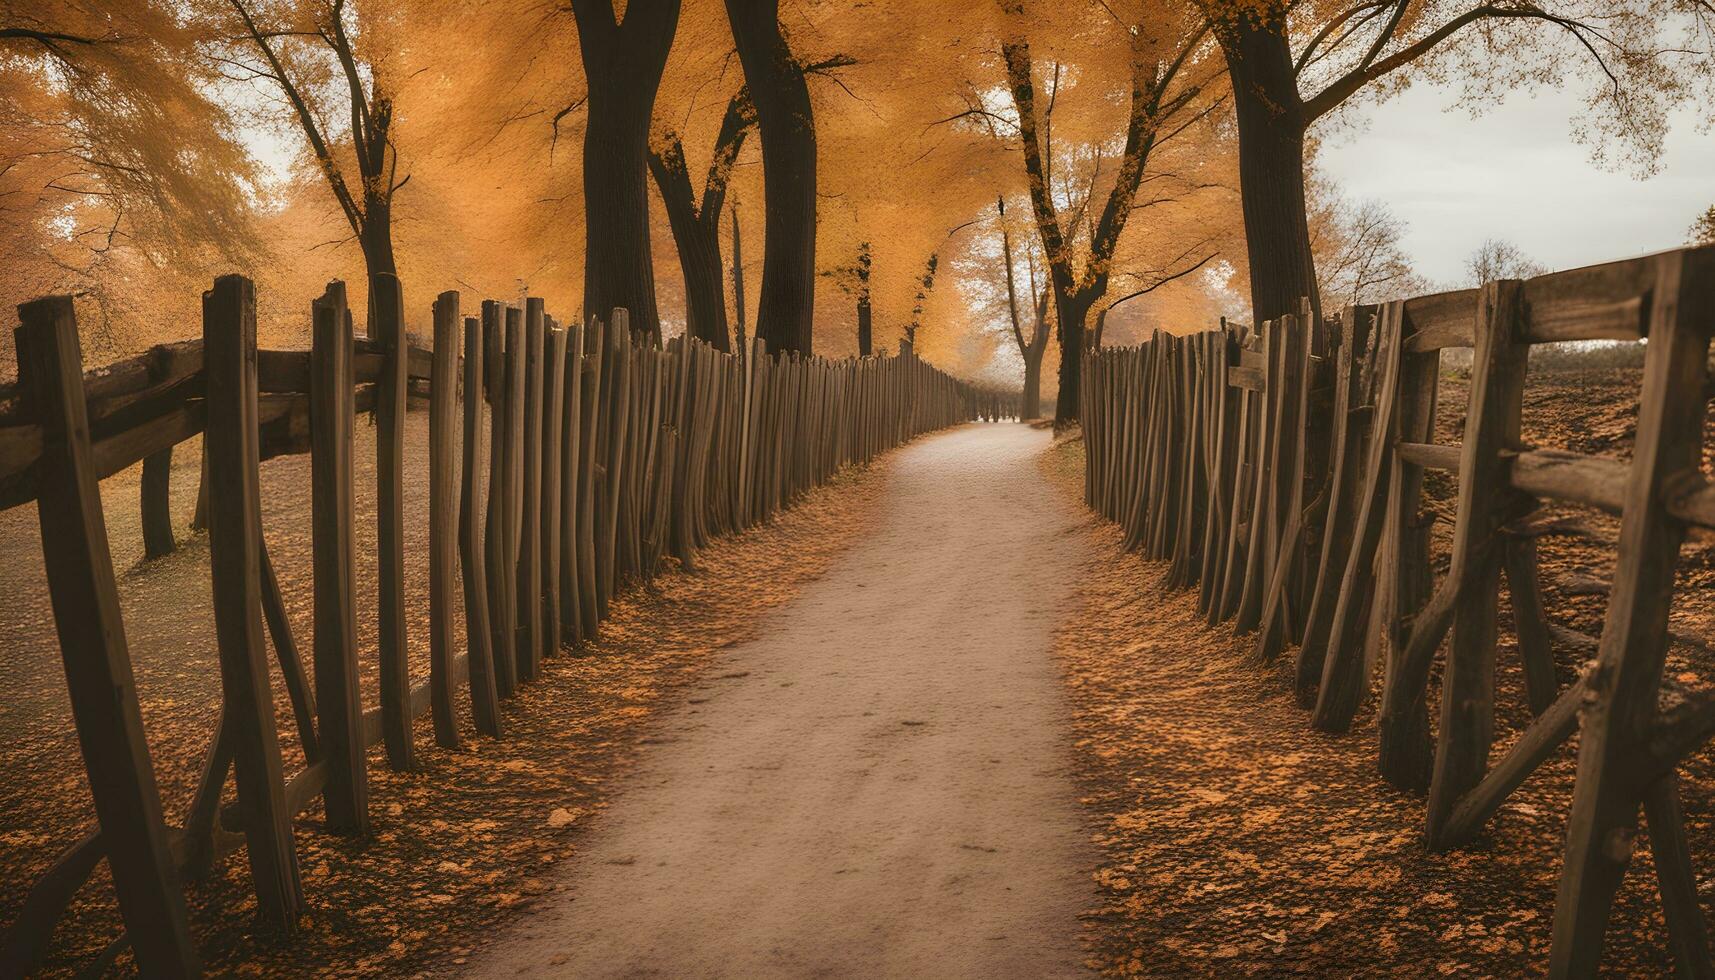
column 484, row 690
column 235, row 556
column 387, row 329
column 156, row 493
column 345, row 794
column 92, row 646
column 443, row 516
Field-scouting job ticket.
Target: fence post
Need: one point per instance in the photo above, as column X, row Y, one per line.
column 590, row 410
column 496, row 537
column 345, row 795
column 443, row 515
column 529, row 555
column 553, row 412
column 92, row 645
column 484, row 703
column 387, row 310
column 156, row 492
column 570, row 625
column 235, row 551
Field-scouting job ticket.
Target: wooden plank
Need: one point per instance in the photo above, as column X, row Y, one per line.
column 589, row 476
column 345, row 795
column 571, row 482
column 286, row 655
column 234, row 536
column 1551, row 728
column 479, row 636
column 1628, row 667
column 387, row 328
column 444, row 460
column 91, row 631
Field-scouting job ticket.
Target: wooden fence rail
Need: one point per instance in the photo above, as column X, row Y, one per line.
column 1280, row 471
column 605, row 454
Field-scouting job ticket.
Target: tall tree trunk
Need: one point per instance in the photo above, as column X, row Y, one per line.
column 1032, row 408
column 1071, row 312
column 738, row 279
column 787, row 126
column 377, row 238
column 1271, row 167
column 697, row 239
column 623, row 62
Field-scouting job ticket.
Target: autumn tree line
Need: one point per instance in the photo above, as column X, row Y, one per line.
column 994, row 185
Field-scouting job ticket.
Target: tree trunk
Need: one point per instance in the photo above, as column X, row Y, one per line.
column 865, row 323
column 698, row 243
column 623, row 64
column 1271, row 167
column 1032, row 407
column 787, row 127
column 1071, row 311
column 377, row 238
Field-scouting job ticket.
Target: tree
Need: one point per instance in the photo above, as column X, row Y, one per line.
column 1344, row 47
column 697, row 227
column 121, row 179
column 1029, row 350
column 1703, row 229
column 1166, row 99
column 853, row 280
column 1498, row 258
column 623, row 61
column 1359, row 256
column 775, row 79
column 295, row 45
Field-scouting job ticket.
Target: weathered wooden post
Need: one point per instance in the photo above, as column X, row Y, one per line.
column 570, row 627
column 235, row 546
column 443, row 519
column 496, row 538
column 92, row 645
column 529, row 558
column 590, row 409
column 156, row 493
column 484, row 703
column 345, row 794
column 553, row 411
column 387, row 307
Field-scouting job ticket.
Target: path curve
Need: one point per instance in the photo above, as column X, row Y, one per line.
column 880, row 784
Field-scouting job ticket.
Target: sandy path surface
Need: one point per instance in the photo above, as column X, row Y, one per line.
column 878, row 785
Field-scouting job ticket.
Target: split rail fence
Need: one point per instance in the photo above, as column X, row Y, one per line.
column 601, row 455
column 1280, row 472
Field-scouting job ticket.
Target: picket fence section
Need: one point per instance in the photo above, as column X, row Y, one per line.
column 1279, row 471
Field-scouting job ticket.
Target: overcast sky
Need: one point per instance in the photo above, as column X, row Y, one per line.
column 1515, row 173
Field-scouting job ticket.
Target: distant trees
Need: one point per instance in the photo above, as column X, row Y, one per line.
column 1030, row 349
column 1703, row 229
column 1360, row 256
column 623, row 61
column 1498, row 258
column 853, row 281
column 1167, row 97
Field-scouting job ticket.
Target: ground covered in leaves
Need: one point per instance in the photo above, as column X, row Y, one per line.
column 457, row 847
column 1237, row 841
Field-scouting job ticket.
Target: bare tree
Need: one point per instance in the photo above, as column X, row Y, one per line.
column 1498, row 258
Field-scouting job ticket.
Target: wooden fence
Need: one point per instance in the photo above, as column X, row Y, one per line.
column 601, row 455
column 1280, row 472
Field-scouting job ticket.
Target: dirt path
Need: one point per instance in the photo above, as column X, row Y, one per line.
column 879, row 784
